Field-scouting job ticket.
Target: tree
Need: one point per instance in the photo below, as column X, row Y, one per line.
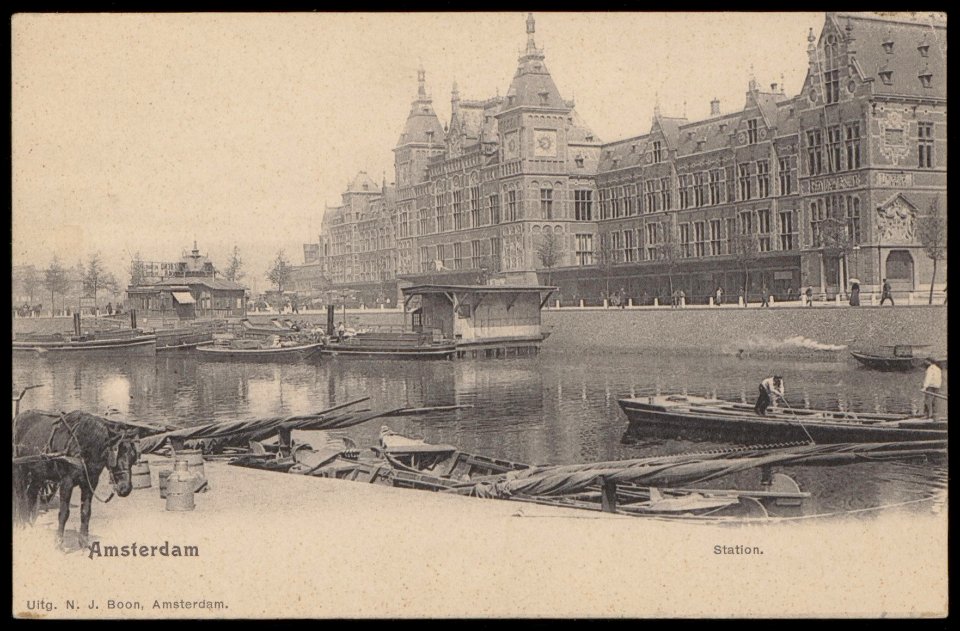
column 835, row 240
column 932, row 233
column 55, row 280
column 605, row 256
column 30, row 281
column 668, row 251
column 550, row 251
column 94, row 277
column 279, row 272
column 234, row 271
column 746, row 250
column 138, row 272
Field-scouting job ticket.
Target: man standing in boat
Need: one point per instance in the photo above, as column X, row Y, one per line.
column 769, row 388
column 932, row 381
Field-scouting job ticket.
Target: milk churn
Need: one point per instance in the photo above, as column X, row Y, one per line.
column 194, row 460
column 140, row 475
column 180, row 486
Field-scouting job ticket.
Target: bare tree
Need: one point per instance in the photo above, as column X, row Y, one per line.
column 94, row 277
column 668, row 251
column 30, row 281
column 234, row 271
column 932, row 233
column 279, row 272
column 746, row 250
column 138, row 272
column 605, row 257
column 550, row 252
column 55, row 280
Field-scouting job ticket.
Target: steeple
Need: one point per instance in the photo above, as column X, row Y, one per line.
column 422, row 83
column 422, row 126
column 532, row 85
column 455, row 99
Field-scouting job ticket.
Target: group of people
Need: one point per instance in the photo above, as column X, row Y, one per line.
column 772, row 390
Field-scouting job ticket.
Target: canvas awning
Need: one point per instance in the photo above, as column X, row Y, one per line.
column 183, row 297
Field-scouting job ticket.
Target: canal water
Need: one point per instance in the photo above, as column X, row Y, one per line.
column 554, row 408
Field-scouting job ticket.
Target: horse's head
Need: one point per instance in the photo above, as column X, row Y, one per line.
column 121, row 458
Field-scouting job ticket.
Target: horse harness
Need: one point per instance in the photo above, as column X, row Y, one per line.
column 111, row 456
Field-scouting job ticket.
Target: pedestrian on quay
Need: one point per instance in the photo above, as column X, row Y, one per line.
column 109, row 308
column 809, row 296
column 886, row 293
column 742, row 297
column 771, row 388
column 623, row 298
column 682, row 299
column 854, row 294
column 719, row 300
column 932, row 381
column 764, row 297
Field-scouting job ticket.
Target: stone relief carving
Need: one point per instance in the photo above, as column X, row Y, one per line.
column 895, row 221
column 893, row 145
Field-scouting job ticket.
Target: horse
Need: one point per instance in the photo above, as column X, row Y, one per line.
column 74, row 449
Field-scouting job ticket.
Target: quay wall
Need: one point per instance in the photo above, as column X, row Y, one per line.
column 825, row 331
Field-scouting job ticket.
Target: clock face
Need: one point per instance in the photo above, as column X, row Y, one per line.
column 511, row 146
column 545, row 143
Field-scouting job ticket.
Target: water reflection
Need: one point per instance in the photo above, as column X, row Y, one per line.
column 554, row 408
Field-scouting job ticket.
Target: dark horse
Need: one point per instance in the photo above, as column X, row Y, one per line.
column 83, row 445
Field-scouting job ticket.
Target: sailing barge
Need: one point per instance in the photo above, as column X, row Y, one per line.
column 680, row 416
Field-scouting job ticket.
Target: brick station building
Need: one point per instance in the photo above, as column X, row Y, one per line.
column 784, row 191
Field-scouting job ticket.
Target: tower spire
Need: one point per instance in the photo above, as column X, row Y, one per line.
column 421, row 82
column 531, row 29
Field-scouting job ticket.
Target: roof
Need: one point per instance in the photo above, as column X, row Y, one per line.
column 212, row 283
column 479, row 289
column 907, row 33
column 362, row 183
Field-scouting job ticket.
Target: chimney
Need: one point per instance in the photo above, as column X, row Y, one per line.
column 714, row 107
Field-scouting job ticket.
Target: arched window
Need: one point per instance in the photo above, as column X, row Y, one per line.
column 900, row 269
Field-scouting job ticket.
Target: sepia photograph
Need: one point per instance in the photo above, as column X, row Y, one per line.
column 422, row 315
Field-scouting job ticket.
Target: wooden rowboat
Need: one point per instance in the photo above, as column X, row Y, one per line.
column 900, row 358
column 218, row 352
column 678, row 416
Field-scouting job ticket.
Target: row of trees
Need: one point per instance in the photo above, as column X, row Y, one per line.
column 58, row 280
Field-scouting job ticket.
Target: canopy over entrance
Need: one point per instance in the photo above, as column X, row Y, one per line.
column 183, row 297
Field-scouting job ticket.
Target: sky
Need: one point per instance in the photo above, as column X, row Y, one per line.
column 140, row 133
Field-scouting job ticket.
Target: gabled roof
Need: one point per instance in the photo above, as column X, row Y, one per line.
column 713, row 132
column 362, row 183
column 577, row 130
column 670, row 128
column 906, row 32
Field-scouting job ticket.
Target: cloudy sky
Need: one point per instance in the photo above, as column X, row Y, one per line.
column 140, row 133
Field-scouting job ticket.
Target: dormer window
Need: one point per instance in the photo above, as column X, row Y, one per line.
column 723, row 127
column 700, row 143
column 589, row 137
column 543, row 97
column 888, row 46
column 616, row 162
column 579, row 161
column 430, row 136
column 633, row 148
column 657, row 151
column 924, row 49
column 925, row 78
column 886, row 76
column 510, row 100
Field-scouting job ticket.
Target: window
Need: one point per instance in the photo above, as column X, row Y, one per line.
column 495, row 249
column 511, row 205
column 653, row 241
column 546, row 203
column 716, row 186
column 617, row 194
column 699, row 189
column 424, row 221
column 763, row 178
column 715, row 237
column 817, row 217
column 630, row 199
column 786, row 230
column 616, row 246
column 685, row 239
column 583, row 205
column 651, row 196
column 831, row 80
column 852, row 134
column 731, row 234
column 638, row 189
column 814, row 152
column 628, row 245
column 853, row 219
column 657, row 151
column 700, row 238
column 604, row 203
column 457, row 255
column 474, row 206
column 924, row 49
column 763, row 226
column 683, row 182
column 752, row 131
column 439, row 212
column 925, row 77
column 475, row 256
column 746, row 222
column 458, row 210
column 834, row 150
column 925, row 145
column 495, row 209
column 788, row 174
column 584, row 252
column 744, row 181
column 666, row 201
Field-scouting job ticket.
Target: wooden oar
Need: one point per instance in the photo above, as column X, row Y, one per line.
column 935, row 394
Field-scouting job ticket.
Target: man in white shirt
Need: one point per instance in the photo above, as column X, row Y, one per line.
column 932, row 381
column 770, row 388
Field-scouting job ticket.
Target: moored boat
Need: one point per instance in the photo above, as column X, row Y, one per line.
column 126, row 341
column 681, row 416
column 899, row 358
column 252, row 350
column 391, row 345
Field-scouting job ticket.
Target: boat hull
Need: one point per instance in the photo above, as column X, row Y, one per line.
column 654, row 419
column 143, row 345
column 389, row 353
column 296, row 353
column 892, row 364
